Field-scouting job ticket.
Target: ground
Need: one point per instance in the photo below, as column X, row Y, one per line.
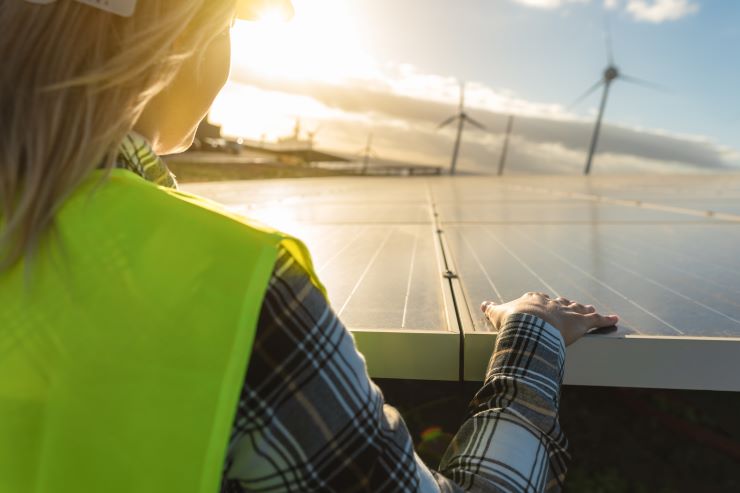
column 621, row 440
column 189, row 169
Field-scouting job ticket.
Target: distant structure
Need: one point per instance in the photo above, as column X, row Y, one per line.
column 297, row 149
column 312, row 137
column 207, row 130
column 502, row 161
column 295, row 137
column 461, row 118
column 296, row 140
column 611, row 73
column 292, row 150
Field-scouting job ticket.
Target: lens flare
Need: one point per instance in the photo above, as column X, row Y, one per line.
column 431, row 433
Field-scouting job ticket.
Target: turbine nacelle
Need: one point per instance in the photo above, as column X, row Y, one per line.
column 611, row 73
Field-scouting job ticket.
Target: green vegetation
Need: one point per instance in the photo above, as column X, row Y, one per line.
column 189, row 171
column 621, row 440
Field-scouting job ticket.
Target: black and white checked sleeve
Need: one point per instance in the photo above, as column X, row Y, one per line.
column 512, row 439
column 310, row 419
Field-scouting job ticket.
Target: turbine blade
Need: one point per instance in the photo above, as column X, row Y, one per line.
column 608, row 39
column 475, row 123
column 462, row 96
column 643, row 83
column 447, row 122
column 586, row 94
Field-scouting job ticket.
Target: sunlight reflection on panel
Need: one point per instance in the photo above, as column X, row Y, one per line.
column 372, row 241
column 379, row 276
column 607, row 242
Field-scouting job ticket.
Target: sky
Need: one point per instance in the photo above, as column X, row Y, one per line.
column 348, row 68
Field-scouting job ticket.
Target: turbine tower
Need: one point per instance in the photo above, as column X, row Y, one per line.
column 505, row 149
column 611, row 73
column 461, row 118
column 368, row 153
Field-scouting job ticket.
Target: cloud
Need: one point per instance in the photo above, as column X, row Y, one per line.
column 657, row 11
column 654, row 11
column 546, row 137
column 548, row 4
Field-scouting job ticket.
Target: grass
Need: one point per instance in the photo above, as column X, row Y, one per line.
column 189, row 170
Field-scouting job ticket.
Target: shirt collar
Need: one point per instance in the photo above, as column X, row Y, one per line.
column 136, row 154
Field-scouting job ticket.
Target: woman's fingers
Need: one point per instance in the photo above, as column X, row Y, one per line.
column 572, row 319
column 582, row 309
column 485, row 305
column 489, row 309
column 596, row 320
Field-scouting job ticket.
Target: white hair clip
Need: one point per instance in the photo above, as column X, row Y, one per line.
column 123, row 8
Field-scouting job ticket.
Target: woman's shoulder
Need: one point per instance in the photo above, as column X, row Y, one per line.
column 126, row 198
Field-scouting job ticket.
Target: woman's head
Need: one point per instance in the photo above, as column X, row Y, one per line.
column 170, row 119
column 76, row 79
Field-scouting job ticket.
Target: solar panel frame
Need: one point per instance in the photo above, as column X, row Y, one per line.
column 688, row 363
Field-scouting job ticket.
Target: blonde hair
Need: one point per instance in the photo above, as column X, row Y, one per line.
column 73, row 81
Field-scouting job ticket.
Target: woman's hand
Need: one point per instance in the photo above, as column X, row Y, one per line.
column 572, row 319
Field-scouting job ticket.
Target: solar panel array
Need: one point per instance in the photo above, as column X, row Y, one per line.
column 418, row 255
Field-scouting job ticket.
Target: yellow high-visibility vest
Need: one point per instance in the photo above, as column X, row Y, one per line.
column 124, row 345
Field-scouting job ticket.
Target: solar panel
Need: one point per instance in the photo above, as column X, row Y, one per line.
column 407, row 262
column 376, row 250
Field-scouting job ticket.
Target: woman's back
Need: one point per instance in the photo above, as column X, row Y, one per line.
column 136, row 321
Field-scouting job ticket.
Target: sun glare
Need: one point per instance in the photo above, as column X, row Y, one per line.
column 321, row 42
column 273, row 16
column 255, row 113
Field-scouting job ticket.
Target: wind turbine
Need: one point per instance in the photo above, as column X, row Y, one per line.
column 368, row 152
column 611, row 73
column 461, row 118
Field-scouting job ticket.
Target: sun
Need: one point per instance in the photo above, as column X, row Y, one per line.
column 274, row 17
column 322, row 42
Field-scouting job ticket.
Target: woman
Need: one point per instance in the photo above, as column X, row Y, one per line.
column 130, row 313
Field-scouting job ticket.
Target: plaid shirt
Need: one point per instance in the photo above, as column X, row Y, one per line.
column 310, row 419
column 136, row 154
